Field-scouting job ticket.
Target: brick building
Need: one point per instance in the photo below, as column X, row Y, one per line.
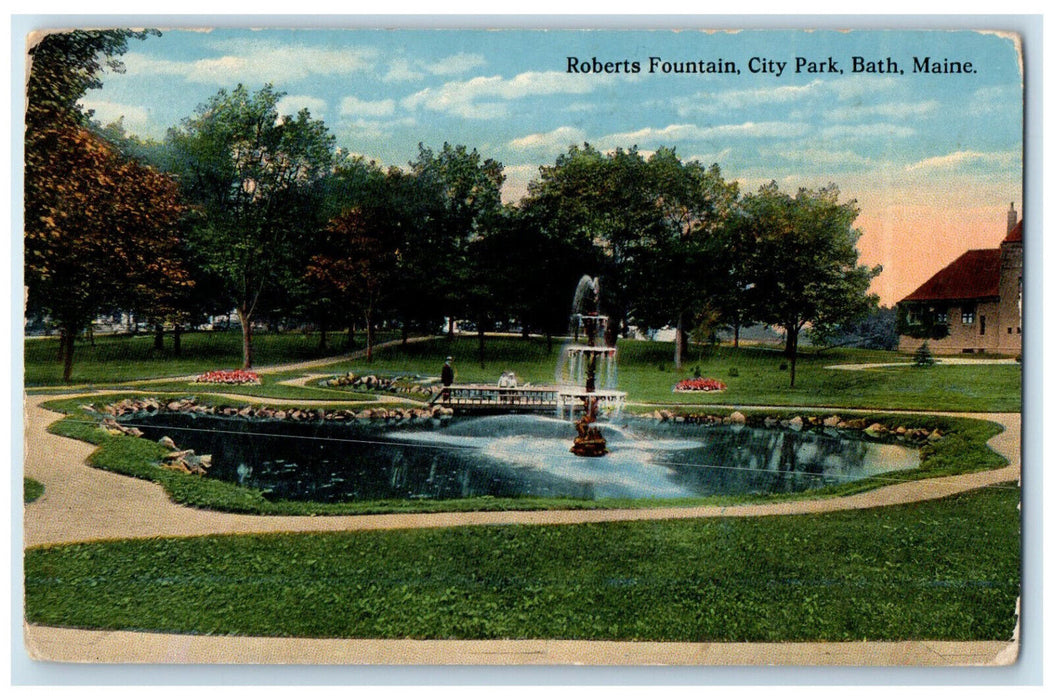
column 978, row 296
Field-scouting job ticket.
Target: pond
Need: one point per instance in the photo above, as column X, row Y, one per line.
column 518, row 456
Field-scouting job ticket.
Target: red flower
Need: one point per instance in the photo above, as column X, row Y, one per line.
column 700, row 384
column 229, row 376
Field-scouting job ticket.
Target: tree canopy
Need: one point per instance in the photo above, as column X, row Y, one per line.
column 255, row 177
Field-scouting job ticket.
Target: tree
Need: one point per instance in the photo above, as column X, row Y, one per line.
column 65, row 65
column 592, row 199
column 805, row 262
column 100, row 229
column 875, row 331
column 456, row 198
column 680, row 267
column 354, row 269
column 256, row 177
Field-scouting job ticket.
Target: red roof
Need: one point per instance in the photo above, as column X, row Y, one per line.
column 973, row 275
column 1015, row 234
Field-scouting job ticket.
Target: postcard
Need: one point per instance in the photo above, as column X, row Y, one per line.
column 511, row 346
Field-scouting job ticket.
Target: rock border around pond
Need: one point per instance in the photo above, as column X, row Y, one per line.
column 872, row 429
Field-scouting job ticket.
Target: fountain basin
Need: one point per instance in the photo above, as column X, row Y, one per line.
column 518, row 455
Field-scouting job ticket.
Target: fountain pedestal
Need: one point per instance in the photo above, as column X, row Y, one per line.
column 589, row 442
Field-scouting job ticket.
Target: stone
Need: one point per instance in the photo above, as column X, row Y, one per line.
column 831, row 421
column 736, row 418
column 166, row 441
column 795, row 423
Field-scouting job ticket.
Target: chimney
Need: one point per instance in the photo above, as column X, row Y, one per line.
column 1011, row 219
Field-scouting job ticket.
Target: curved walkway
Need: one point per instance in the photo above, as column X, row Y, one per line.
column 942, row 362
column 81, row 503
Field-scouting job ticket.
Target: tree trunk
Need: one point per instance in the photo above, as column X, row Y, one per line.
column 792, row 351
column 369, row 337
column 481, row 336
column 450, row 328
column 406, row 333
column 349, row 342
column 735, row 339
column 67, row 340
column 548, row 342
column 159, row 337
column 177, row 340
column 247, row 338
column 90, row 332
column 322, row 336
column 680, row 343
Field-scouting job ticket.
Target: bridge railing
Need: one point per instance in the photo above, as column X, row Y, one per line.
column 494, row 396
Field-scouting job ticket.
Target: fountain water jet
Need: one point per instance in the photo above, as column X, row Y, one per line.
column 577, row 376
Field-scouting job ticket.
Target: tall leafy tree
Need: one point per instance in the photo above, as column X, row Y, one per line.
column 101, row 230
column 256, row 177
column 681, row 267
column 805, row 264
column 599, row 199
column 456, row 198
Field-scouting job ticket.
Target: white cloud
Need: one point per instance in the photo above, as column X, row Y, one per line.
column 136, row 118
column 400, row 71
column 484, row 97
column 693, row 132
column 251, row 62
column 888, row 110
column 962, row 159
column 354, row 106
column 404, row 70
column 292, row 104
column 458, row 63
column 868, row 131
column 517, row 177
column 556, row 140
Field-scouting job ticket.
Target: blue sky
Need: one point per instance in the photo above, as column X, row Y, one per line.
column 933, row 160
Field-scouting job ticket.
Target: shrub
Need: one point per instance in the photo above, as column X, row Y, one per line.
column 923, row 357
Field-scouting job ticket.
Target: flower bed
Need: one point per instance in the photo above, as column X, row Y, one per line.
column 700, row 384
column 228, row 376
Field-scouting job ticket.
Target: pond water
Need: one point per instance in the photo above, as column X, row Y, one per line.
column 518, row 456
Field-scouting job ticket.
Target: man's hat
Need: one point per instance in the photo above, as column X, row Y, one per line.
column 450, row 359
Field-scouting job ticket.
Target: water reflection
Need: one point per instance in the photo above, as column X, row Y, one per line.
column 516, row 456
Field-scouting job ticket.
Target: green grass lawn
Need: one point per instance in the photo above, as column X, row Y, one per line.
column 905, row 572
column 31, row 490
column 753, row 375
column 122, row 358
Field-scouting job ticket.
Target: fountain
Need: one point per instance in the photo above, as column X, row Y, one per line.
column 577, row 376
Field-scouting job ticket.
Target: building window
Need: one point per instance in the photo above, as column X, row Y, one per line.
column 942, row 316
column 1009, row 330
column 968, row 317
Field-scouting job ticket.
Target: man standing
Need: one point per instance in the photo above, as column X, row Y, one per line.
column 447, row 377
